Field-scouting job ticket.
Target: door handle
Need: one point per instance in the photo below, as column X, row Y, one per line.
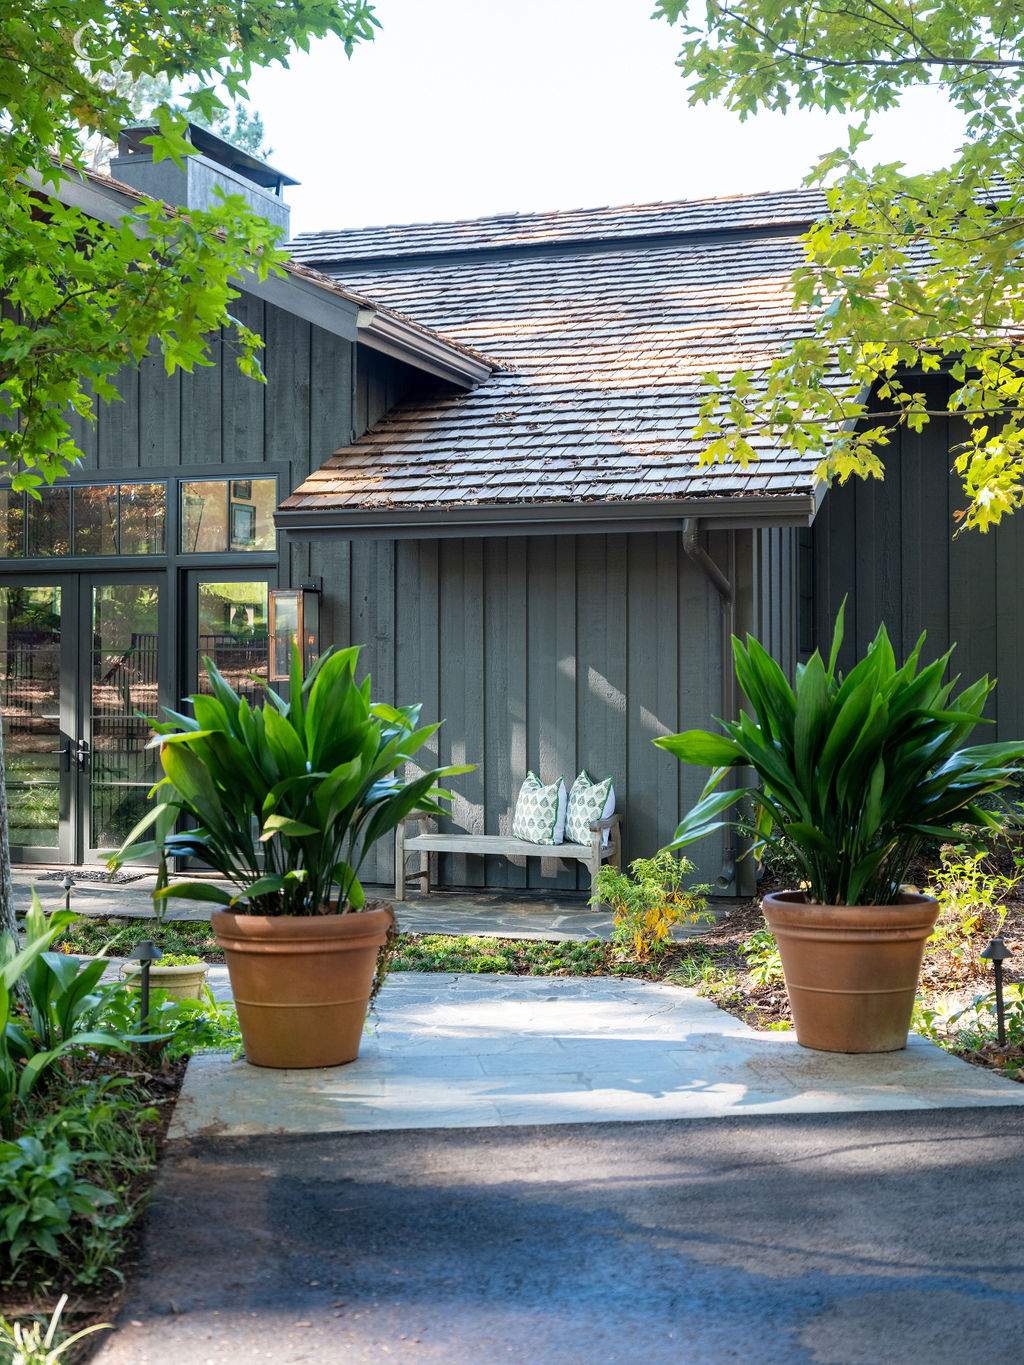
column 65, row 754
column 82, row 753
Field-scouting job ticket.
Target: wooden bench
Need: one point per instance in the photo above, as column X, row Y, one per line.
column 428, row 842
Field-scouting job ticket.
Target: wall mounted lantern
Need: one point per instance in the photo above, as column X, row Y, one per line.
column 294, row 619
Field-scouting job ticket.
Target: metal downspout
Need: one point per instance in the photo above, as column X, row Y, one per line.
column 696, row 553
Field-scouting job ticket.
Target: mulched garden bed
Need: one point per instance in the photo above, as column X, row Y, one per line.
column 21, row 1297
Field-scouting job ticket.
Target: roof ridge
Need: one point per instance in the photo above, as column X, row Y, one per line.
column 522, row 215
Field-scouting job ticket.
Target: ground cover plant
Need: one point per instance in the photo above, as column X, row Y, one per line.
column 115, row 936
column 86, row 1088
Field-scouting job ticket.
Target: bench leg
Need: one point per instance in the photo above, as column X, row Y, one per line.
column 595, row 866
column 400, row 861
column 425, row 875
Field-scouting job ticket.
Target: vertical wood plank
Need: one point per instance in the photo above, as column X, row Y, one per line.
column 159, row 413
column 118, row 431
column 602, row 682
column 505, row 698
column 243, row 398
column 202, row 409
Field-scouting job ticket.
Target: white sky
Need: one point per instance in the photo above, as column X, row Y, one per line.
column 468, row 107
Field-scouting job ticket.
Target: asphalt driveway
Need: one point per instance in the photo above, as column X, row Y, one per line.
column 842, row 1238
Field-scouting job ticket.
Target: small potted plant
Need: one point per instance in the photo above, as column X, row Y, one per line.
column 859, row 777
column 182, row 976
column 287, row 799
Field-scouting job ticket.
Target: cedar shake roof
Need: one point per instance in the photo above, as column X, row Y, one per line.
column 601, row 352
column 791, row 208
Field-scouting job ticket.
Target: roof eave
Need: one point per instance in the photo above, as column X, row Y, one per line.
column 401, row 339
column 522, row 519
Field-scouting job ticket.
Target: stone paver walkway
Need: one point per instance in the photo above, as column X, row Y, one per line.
column 447, row 1051
column 489, row 915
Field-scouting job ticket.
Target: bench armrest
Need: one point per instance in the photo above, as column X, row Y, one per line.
column 609, row 822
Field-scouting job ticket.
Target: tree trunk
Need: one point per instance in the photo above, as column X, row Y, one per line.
column 7, row 920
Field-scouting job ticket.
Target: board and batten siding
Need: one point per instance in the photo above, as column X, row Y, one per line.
column 550, row 653
column 890, row 547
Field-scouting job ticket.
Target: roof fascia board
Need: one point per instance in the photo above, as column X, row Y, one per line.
column 397, row 337
column 543, row 519
column 330, row 311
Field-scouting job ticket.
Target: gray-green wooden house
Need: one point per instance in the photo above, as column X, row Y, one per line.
column 474, row 448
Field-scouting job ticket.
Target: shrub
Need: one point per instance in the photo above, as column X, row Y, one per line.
column 649, row 901
column 970, row 896
column 858, row 774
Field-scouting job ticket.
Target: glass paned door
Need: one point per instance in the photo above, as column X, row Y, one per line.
column 121, row 672
column 35, row 704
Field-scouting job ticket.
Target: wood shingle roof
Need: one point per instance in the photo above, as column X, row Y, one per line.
column 601, row 354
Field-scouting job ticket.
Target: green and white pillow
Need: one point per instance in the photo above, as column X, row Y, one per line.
column 588, row 801
column 540, row 812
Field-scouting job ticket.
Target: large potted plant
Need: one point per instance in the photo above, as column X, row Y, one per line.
column 859, row 776
column 286, row 800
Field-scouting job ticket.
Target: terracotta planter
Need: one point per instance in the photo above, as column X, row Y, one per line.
column 851, row 970
column 180, row 983
column 301, row 983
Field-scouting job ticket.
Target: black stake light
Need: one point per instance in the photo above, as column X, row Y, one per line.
column 145, row 954
column 997, row 953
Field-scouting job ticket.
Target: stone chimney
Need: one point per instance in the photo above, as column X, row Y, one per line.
column 216, row 162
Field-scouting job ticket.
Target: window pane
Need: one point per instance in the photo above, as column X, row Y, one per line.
column 12, row 524
column 30, row 705
column 143, row 515
column 49, row 522
column 233, row 633
column 251, row 513
column 204, row 517
column 96, row 519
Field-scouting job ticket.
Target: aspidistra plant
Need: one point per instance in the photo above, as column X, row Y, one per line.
column 286, row 798
column 857, row 774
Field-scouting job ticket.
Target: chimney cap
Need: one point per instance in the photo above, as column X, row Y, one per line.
column 130, row 143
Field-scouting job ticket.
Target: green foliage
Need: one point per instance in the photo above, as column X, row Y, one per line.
column 119, row 937
column 904, row 274
column 42, row 1190
column 317, row 776
column 37, row 1343
column 649, row 901
column 66, row 1181
column 87, row 297
column 764, row 961
column 63, row 1015
column 519, row 957
column 971, row 895
column 858, row 774
column 204, row 1025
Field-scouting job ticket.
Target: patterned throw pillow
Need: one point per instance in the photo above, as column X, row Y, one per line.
column 540, row 812
column 588, row 801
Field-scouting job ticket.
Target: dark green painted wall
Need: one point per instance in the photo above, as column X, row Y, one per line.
column 549, row 653
column 891, row 548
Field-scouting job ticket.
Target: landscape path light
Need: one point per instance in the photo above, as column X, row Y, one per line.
column 997, row 953
column 145, row 954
